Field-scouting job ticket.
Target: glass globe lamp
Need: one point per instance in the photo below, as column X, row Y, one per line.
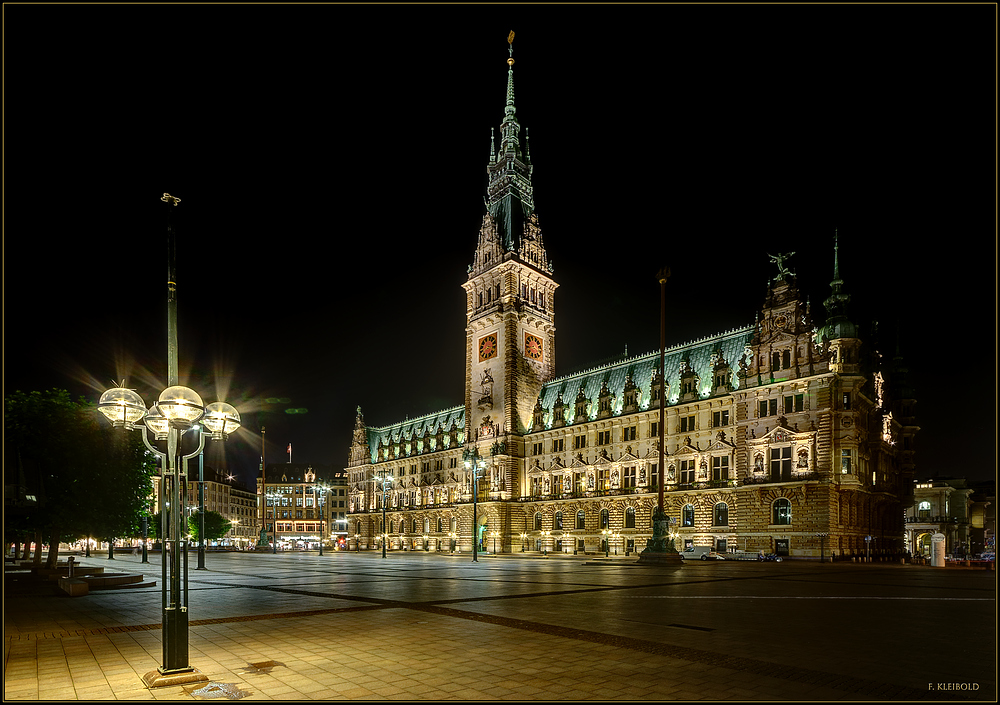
column 122, row 407
column 157, row 422
column 181, row 406
column 221, row 419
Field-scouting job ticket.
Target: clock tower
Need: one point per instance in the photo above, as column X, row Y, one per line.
column 510, row 310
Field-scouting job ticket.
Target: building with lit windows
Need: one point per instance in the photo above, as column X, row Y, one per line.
column 785, row 435
column 303, row 504
column 940, row 505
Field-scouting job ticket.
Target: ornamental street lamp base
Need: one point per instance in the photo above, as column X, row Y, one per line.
column 184, row 676
column 648, row 557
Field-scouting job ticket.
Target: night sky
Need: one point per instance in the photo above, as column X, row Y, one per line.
column 331, row 162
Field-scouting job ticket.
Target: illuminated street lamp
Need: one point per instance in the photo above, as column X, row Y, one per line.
column 385, row 479
column 606, row 533
column 494, row 535
column 175, row 413
column 545, row 543
column 524, row 540
column 474, row 463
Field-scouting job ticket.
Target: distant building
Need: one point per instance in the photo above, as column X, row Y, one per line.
column 790, row 434
column 230, row 498
column 940, row 505
column 223, row 494
column 303, row 503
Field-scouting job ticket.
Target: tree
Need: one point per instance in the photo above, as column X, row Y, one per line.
column 216, row 526
column 87, row 479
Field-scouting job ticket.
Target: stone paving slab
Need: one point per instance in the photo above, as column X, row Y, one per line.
column 435, row 627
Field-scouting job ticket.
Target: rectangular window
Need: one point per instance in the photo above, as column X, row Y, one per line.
column 847, row 401
column 720, row 468
column 720, row 418
column 603, row 438
column 845, row 461
column 789, row 404
column 579, row 442
column 603, row 479
column 762, row 409
column 687, row 424
column 800, row 402
column 687, row 472
column 654, row 429
column 536, row 448
column 781, row 463
column 558, row 445
column 628, row 433
column 628, row 477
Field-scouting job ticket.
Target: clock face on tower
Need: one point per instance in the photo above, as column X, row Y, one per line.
column 532, row 346
column 487, row 347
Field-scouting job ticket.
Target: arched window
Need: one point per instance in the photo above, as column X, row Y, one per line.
column 454, row 523
column 439, row 525
column 538, row 521
column 427, row 526
column 392, row 525
column 630, row 518
column 581, row 519
column 558, row 521
column 414, row 525
column 604, row 518
column 721, row 514
column 687, row 515
column 781, row 512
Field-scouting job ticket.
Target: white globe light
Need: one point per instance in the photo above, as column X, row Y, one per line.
column 157, row 423
column 122, row 407
column 181, row 405
column 221, row 419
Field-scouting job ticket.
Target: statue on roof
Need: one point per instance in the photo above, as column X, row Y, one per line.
column 779, row 259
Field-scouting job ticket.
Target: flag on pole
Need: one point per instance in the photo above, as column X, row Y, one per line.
column 289, row 451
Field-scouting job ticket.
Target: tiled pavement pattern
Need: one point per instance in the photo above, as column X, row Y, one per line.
column 436, row 627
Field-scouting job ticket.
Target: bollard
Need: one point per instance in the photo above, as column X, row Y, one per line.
column 70, row 562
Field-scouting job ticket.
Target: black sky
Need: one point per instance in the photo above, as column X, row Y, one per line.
column 331, row 162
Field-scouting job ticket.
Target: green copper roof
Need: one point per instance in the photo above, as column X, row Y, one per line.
column 412, row 431
column 700, row 355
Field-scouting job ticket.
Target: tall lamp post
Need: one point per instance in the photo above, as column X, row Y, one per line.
column 660, row 548
column 320, row 495
column 384, row 479
column 175, row 413
column 474, row 463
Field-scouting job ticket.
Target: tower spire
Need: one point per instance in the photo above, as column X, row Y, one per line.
column 509, row 193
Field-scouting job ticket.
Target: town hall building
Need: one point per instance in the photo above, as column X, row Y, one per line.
column 781, row 436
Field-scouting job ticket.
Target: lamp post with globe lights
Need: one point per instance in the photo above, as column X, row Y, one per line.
column 177, row 411
column 385, row 480
column 474, row 463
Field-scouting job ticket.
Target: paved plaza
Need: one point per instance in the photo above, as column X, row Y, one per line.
column 416, row 626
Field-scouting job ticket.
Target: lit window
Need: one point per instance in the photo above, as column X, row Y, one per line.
column 687, row 515
column 782, row 512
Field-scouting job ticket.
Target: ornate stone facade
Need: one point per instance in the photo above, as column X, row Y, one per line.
column 780, row 436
